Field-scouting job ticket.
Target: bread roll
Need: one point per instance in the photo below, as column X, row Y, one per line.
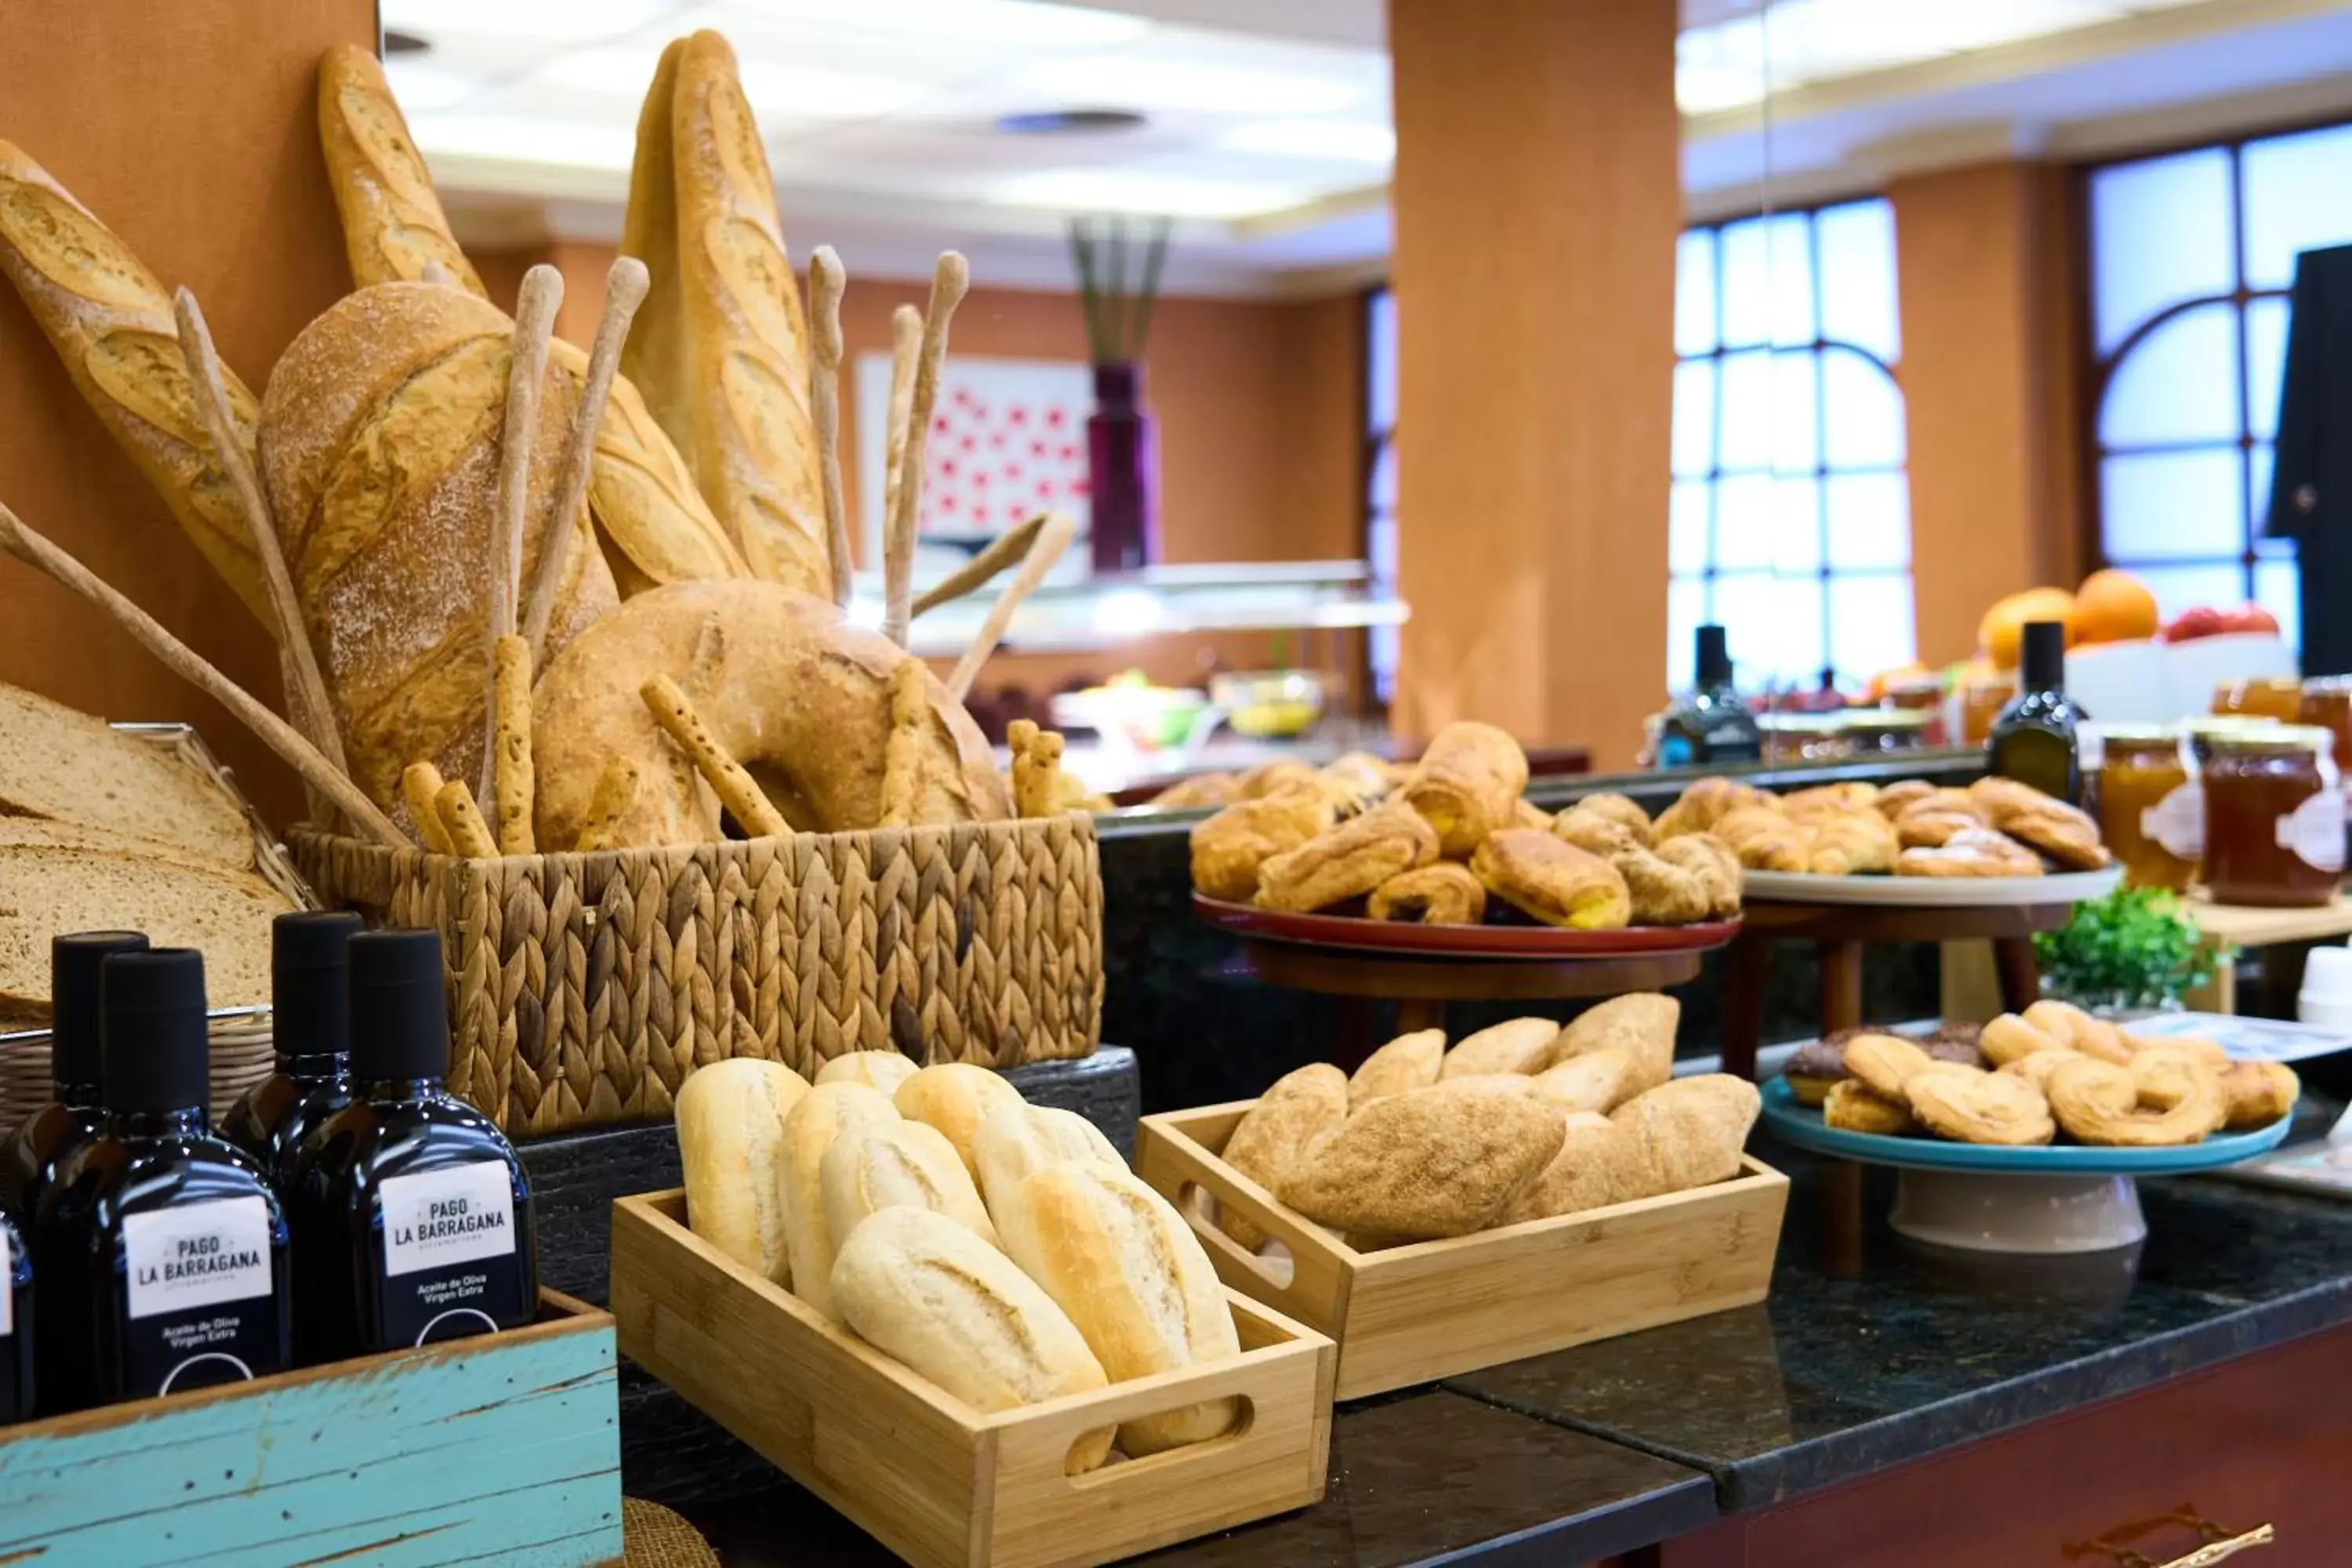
column 1438, row 1162
column 883, row 1070
column 1641, row 1026
column 1118, row 1259
column 1519, row 1045
column 895, row 1164
column 919, row 1286
column 1406, row 1063
column 823, row 1115
column 1598, row 1080
column 1015, row 1141
column 731, row 1140
column 111, row 321
column 1467, row 784
column 1299, row 1108
column 953, row 1097
column 1689, row 1133
column 1596, row 1166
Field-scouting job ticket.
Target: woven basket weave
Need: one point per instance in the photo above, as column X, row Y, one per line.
column 584, row 987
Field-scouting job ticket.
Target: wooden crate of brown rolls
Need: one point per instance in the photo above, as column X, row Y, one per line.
column 1531, row 1188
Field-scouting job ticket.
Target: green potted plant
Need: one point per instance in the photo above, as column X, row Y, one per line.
column 2135, row 951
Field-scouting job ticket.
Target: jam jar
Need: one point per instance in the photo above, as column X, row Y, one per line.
column 2261, row 697
column 2328, row 703
column 2273, row 816
column 2151, row 811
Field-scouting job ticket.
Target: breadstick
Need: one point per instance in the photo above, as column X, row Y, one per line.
column 615, row 792
column 906, row 343
column 461, row 819
column 625, row 289
column 998, row 554
column 20, row 541
column 949, row 279
column 1018, row 736
column 825, row 283
column 306, row 689
column 510, row 680
column 910, row 708
column 737, row 790
column 1051, row 540
column 420, row 786
column 1036, row 774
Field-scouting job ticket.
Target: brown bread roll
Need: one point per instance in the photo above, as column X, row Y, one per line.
column 1014, row 1143
column 731, row 1141
column 1596, row 1166
column 1516, row 1045
column 1690, row 1131
column 1641, row 1026
column 1406, row 1063
column 823, row 1115
column 922, row 1287
column 1300, row 1107
column 895, row 1164
column 1598, row 1080
column 954, row 1097
column 1467, row 784
column 1438, row 1162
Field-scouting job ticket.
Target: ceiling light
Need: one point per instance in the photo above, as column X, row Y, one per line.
column 1070, row 122
column 555, row 21
column 417, row 86
column 1139, row 82
column 1113, row 189
column 1011, row 22
column 528, row 138
column 1366, row 141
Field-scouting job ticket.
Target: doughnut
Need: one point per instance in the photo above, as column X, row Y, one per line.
column 784, row 685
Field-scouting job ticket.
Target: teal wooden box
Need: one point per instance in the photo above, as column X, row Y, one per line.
column 502, row 1451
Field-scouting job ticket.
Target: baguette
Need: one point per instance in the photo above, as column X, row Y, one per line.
column 1118, row 1259
column 897, row 1164
column 880, row 1070
column 731, row 1141
column 1014, row 1142
column 394, row 227
column 953, row 1097
column 823, row 1115
column 919, row 1286
column 110, row 320
column 1299, row 1107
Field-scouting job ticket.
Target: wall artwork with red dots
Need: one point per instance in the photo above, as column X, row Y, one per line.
column 1008, row 439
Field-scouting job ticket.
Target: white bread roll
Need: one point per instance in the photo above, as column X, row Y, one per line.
column 1014, row 1142
column 823, row 1114
column 881, row 1070
column 730, row 1139
column 1121, row 1261
column 953, row 1097
column 896, row 1164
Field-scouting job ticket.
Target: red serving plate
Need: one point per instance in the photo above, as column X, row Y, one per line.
column 1461, row 941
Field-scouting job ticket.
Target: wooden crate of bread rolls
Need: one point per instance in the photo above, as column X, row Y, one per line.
column 1574, row 1195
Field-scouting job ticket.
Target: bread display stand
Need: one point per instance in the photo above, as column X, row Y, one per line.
column 1428, row 1309
column 501, row 1448
column 935, row 1480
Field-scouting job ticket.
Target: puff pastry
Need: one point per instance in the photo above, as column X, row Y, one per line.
column 1975, row 852
column 1468, row 784
column 1855, row 1107
column 1231, row 849
column 1348, row 862
column 1897, row 798
column 1710, row 859
column 1620, row 809
column 1703, row 805
column 2099, row 1102
column 1830, row 800
column 2255, row 1094
column 1553, row 882
column 1443, row 894
column 1663, row 893
column 2064, row 833
column 1980, row 1108
column 1763, row 838
column 1595, row 833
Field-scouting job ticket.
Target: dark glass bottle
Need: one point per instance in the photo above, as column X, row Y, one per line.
column 18, row 1328
column 2033, row 739
column 43, row 1139
column 1712, row 725
column 181, row 1245
column 412, row 1215
column 310, row 1024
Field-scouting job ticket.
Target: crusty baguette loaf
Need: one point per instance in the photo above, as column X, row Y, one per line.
column 1118, row 1259
column 392, row 224
column 731, row 1141
column 64, row 766
column 880, row 1070
column 1015, row 1141
column 380, row 447
column 1298, row 1108
column 953, row 1097
column 823, row 1115
column 919, row 1286
column 720, row 348
column 894, row 1164
column 46, row 889
column 110, row 320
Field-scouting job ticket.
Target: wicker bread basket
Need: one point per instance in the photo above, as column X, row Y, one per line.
column 583, row 988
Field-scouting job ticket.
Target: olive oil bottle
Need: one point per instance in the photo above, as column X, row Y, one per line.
column 17, row 1328
column 2033, row 741
column 310, row 1022
column 43, row 1140
column 1712, row 725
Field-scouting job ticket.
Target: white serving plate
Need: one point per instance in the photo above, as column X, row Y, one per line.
column 1931, row 892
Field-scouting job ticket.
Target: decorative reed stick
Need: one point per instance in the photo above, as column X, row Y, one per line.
column 1000, row 553
column 1117, row 322
column 1053, row 538
column 906, row 343
column 825, row 286
column 543, row 294
column 950, row 280
column 626, row 282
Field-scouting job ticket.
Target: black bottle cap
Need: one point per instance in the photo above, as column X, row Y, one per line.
column 157, row 1055
column 1714, row 656
column 309, row 982
column 2045, row 656
column 74, row 960
column 400, row 1028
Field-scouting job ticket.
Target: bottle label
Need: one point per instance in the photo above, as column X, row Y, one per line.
column 449, row 1247
column 8, row 1287
column 202, row 1302
column 2177, row 823
column 2315, row 832
column 1675, row 752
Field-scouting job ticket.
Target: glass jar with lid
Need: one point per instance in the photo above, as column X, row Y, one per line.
column 2328, row 703
column 2151, row 811
column 2273, row 816
column 2276, row 697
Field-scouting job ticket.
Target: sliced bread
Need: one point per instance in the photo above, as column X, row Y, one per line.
column 67, row 766
column 48, row 888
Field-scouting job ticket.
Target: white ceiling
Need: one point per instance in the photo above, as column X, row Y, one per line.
column 1267, row 123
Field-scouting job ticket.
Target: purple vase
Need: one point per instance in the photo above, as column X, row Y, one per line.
column 1122, row 471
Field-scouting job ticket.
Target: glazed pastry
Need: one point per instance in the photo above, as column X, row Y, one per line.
column 1976, row 852
column 1406, row 1063
column 1764, row 839
column 1885, row 1062
column 2255, row 1094
column 1200, row 789
column 1443, row 894
column 1553, row 882
column 1348, row 862
column 1851, row 844
column 1594, row 831
column 1663, row 893
column 1231, row 849
column 2010, row 1038
column 1897, row 798
column 1854, row 1107
column 1516, row 1045
column 1981, row 1108
column 1710, row 859
column 1704, row 805
column 1620, row 809
column 2064, row 833
column 1830, row 800
column 1468, row 784
column 2099, row 1102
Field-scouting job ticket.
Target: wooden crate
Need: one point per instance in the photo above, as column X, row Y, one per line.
column 941, row 1484
column 500, row 1450
column 1429, row 1309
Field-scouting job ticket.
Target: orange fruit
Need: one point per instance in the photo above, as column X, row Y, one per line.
column 2002, row 632
column 2112, row 606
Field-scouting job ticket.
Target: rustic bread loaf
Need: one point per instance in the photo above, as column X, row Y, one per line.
column 731, row 1141
column 894, row 1164
column 1597, row 1165
column 64, row 766
column 823, row 1114
column 1406, row 1063
column 111, row 321
column 1689, row 1131
column 223, row 914
column 1641, row 1025
column 1515, row 1044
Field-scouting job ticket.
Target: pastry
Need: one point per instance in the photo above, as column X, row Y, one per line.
column 2099, row 1102
column 2207, row 1051
column 2166, row 1075
column 1620, row 809
column 1897, row 798
column 1709, row 859
column 1466, row 785
column 1831, row 800
column 1981, row 1108
column 1597, row 1165
column 1297, row 1109
column 2010, row 1037
column 1598, row 1080
column 1689, row 1131
column 1851, row 844
column 1348, row 862
column 2064, row 833
column 1526, row 813
column 2036, row 1067
column 2255, row 1094
column 1972, row 852
column 896, row 1164
column 811, row 1126
column 2062, row 1021
column 1439, row 1162
column 1014, row 1143
column 1200, row 790
column 1884, row 1063
column 1518, row 1046
column 1362, row 775
column 1854, row 1107
column 1267, row 778
column 881, row 1070
column 1932, row 819
column 1595, row 833
column 1551, row 881
column 953, row 1097
column 921, row 1288
column 1443, row 894
column 1702, row 805
column 1663, row 893
column 1814, row 1067
column 1120, row 1259
column 1230, row 848
column 730, row 1143
column 1764, row 839
column 1642, row 1025
column 1406, row 1063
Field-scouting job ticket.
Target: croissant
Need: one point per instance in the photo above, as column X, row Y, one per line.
column 1851, row 843
column 1976, row 852
column 1764, row 839
column 1829, row 800
column 2064, row 833
column 1662, row 893
column 1348, row 862
column 1468, row 784
column 1556, row 883
column 1704, row 805
column 1595, row 833
column 1443, row 894
column 1710, row 859
column 1231, row 849
column 1620, row 809
column 1897, row 798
